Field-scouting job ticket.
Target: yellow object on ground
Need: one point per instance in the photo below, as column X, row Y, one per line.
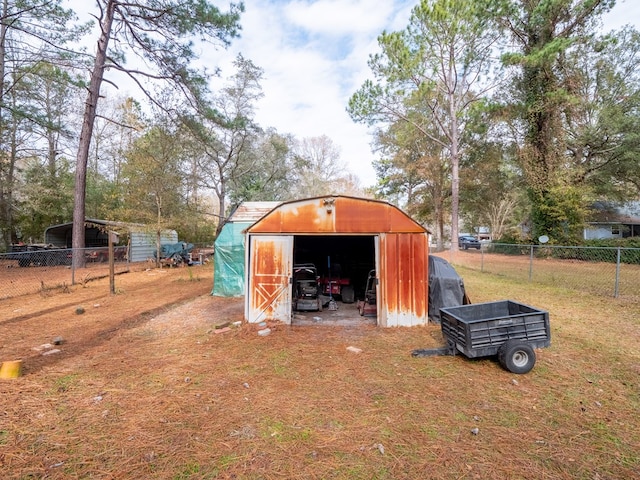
column 11, row 369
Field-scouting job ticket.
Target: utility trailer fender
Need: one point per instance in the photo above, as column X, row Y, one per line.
column 505, row 328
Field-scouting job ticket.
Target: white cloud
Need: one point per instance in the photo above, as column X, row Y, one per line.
column 625, row 12
column 340, row 17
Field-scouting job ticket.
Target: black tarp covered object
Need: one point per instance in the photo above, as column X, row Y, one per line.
column 446, row 288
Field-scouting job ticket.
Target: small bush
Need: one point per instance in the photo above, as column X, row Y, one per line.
column 631, row 242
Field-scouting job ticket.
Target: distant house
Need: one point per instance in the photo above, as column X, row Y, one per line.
column 611, row 220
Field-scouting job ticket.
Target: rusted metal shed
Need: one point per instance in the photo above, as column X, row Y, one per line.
column 356, row 234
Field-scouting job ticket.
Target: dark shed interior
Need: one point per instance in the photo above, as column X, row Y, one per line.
column 340, row 256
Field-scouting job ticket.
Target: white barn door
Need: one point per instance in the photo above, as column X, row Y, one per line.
column 269, row 274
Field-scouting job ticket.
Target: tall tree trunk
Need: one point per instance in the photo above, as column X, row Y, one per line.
column 6, row 184
column 10, row 135
column 158, row 230
column 222, row 206
column 3, row 52
column 438, row 205
column 78, row 237
column 454, row 138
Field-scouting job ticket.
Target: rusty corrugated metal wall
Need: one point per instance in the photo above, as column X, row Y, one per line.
column 336, row 215
column 403, row 273
column 402, row 260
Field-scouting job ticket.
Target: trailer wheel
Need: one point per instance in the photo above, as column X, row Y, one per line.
column 517, row 356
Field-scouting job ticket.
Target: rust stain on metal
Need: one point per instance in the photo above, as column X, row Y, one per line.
column 336, row 215
column 404, row 262
column 264, row 264
column 298, row 217
column 269, row 275
column 355, row 215
column 270, row 223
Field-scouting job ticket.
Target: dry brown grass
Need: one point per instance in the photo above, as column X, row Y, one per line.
column 145, row 388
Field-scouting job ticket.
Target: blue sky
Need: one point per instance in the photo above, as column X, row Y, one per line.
column 314, row 56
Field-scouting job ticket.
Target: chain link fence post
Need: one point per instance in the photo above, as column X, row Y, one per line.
column 616, row 289
column 531, row 263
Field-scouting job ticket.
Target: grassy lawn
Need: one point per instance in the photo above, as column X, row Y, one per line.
column 596, row 277
column 170, row 398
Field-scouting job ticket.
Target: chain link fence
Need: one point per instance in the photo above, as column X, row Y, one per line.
column 42, row 268
column 606, row 271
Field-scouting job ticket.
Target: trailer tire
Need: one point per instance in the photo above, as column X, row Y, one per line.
column 517, row 356
column 348, row 294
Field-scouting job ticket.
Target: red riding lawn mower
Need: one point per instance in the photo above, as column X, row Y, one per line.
column 335, row 285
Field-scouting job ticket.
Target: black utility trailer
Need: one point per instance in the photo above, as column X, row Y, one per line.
column 508, row 329
column 39, row 255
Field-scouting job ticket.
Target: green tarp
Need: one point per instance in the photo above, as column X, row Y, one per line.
column 228, row 261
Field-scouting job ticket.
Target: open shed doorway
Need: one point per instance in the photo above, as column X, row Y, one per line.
column 343, row 263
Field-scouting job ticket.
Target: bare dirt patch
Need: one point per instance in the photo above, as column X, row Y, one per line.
column 87, row 315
